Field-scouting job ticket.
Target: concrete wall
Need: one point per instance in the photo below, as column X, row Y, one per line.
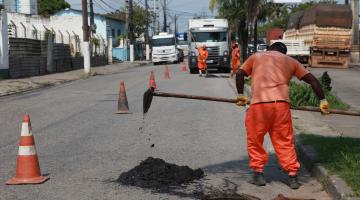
column 67, row 29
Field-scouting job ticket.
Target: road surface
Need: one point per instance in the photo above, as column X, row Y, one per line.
column 83, row 146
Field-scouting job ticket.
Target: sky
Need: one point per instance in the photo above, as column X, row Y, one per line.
column 184, row 9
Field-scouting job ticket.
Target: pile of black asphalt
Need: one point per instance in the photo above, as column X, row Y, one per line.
column 155, row 173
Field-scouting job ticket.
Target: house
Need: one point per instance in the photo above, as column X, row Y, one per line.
column 106, row 24
column 21, row 6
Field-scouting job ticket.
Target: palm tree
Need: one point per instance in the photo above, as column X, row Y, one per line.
column 242, row 14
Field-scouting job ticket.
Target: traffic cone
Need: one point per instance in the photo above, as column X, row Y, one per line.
column 184, row 69
column 152, row 83
column 166, row 73
column 27, row 162
column 123, row 105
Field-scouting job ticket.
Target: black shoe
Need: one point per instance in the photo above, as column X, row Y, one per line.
column 258, row 179
column 294, row 182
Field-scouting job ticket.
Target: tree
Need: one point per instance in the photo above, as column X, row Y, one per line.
column 49, row 7
column 242, row 15
column 139, row 16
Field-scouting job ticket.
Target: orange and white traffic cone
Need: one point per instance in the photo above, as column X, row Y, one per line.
column 166, row 73
column 123, row 105
column 152, row 83
column 27, row 162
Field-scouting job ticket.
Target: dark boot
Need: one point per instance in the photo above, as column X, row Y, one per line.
column 294, row 182
column 258, row 179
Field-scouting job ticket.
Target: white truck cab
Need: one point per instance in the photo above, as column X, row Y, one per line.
column 164, row 48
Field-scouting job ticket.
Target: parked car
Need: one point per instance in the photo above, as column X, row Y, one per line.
column 261, row 47
column 251, row 49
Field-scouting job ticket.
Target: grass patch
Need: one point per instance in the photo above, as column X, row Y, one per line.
column 302, row 94
column 340, row 155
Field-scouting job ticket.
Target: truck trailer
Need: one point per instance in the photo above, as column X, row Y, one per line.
column 326, row 31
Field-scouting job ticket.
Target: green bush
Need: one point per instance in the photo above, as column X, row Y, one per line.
column 301, row 94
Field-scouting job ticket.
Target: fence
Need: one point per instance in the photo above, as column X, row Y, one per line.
column 28, row 57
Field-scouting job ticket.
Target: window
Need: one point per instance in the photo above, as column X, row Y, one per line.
column 163, row 42
column 113, row 33
column 209, row 36
column 118, row 32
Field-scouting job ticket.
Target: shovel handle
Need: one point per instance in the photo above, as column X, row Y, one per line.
column 227, row 100
column 185, row 96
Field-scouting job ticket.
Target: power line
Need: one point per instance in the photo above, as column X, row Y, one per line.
column 95, row 1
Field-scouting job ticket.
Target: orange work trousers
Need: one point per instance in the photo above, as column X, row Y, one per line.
column 274, row 118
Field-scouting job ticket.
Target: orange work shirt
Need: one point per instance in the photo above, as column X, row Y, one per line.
column 235, row 58
column 203, row 54
column 271, row 72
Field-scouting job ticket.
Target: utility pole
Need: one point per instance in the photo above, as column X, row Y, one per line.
column 131, row 31
column 165, row 22
column 86, row 46
column 147, row 51
column 355, row 25
column 355, row 50
column 92, row 25
column 175, row 26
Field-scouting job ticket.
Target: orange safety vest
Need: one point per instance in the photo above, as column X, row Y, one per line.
column 203, row 54
column 235, row 58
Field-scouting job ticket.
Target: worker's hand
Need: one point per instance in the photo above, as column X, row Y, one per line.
column 204, row 60
column 324, row 107
column 241, row 100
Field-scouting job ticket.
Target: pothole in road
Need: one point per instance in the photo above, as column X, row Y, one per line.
column 155, row 173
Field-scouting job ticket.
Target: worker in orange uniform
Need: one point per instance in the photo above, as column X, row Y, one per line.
column 203, row 55
column 235, row 59
column 269, row 109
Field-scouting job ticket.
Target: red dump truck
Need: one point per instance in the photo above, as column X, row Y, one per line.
column 326, row 30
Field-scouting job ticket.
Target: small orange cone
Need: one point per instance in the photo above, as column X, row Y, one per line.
column 152, row 83
column 27, row 162
column 123, row 105
column 184, row 69
column 166, row 73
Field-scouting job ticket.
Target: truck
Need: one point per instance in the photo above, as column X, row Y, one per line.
column 182, row 42
column 164, row 49
column 214, row 33
column 326, row 31
column 296, row 49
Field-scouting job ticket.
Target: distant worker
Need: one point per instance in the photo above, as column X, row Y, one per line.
column 203, row 55
column 271, row 72
column 235, row 59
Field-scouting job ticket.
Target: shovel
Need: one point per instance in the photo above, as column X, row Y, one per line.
column 150, row 93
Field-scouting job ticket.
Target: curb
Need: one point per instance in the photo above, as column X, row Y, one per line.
column 27, row 90
column 333, row 184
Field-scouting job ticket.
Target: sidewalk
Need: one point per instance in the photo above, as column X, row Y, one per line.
column 346, row 84
column 13, row 86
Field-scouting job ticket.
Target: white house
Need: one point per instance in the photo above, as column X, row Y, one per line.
column 29, row 7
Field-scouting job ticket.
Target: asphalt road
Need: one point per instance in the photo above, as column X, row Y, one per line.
column 83, row 146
